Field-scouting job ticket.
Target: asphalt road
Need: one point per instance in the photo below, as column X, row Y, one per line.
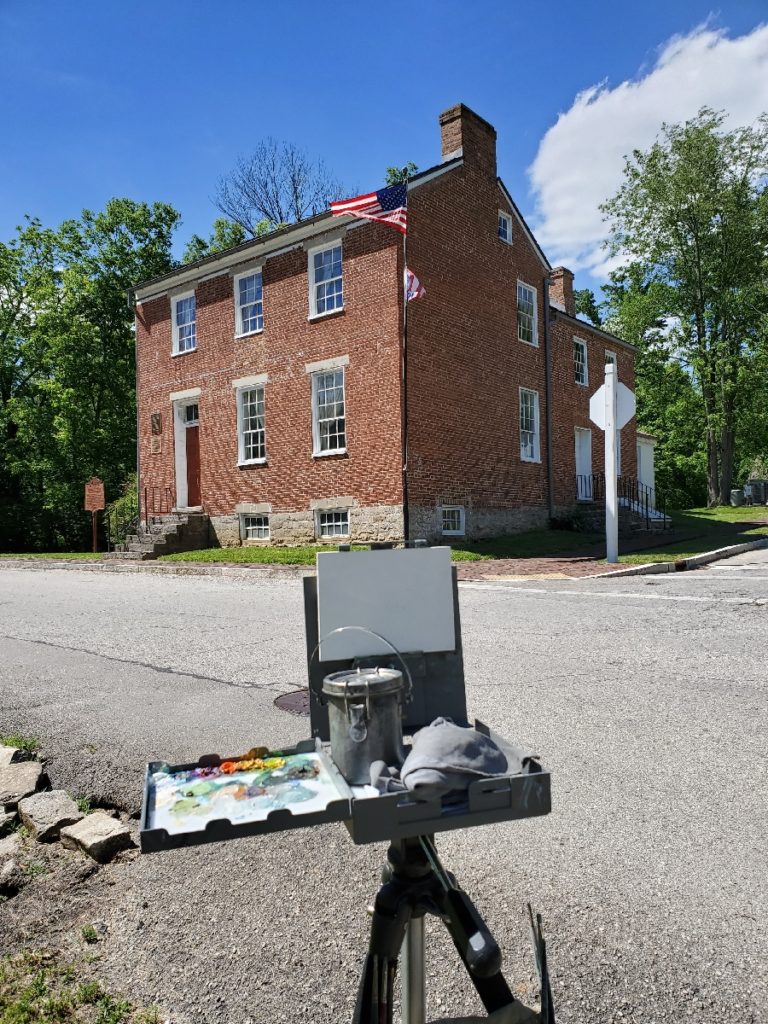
column 645, row 696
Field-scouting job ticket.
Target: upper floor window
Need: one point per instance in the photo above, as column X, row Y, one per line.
column 183, row 314
column 505, row 227
column 580, row 371
column 610, row 357
column 329, row 424
column 527, row 316
column 529, row 426
column 249, row 304
column 251, row 431
column 325, row 285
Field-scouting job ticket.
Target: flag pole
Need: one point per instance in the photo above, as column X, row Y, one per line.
column 404, row 372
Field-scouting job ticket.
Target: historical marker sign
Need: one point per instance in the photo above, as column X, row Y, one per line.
column 94, row 495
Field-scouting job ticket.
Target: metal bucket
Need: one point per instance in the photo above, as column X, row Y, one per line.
column 365, row 720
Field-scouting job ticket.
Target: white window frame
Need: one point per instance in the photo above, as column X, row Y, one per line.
column 317, row 452
column 240, row 331
column 320, row 513
column 610, row 357
column 244, row 528
column 536, row 457
column 462, row 520
column 175, row 338
column 311, row 253
column 239, row 394
column 507, row 218
column 534, row 343
column 580, row 341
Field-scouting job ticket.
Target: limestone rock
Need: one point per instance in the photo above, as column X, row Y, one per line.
column 7, row 755
column 98, row 835
column 45, row 814
column 18, row 781
column 10, row 847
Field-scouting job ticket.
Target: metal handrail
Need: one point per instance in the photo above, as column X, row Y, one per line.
column 640, row 497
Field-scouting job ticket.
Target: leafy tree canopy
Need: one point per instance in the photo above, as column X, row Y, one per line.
column 397, row 175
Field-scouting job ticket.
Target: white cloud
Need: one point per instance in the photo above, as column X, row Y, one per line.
column 580, row 160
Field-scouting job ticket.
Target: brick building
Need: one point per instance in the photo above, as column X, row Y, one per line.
column 270, row 379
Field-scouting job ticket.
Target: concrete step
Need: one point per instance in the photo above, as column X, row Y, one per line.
column 129, row 556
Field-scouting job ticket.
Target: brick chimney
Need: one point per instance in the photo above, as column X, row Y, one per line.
column 464, row 133
column 561, row 290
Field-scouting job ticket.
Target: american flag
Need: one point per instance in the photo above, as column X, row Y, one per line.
column 388, row 206
column 414, row 289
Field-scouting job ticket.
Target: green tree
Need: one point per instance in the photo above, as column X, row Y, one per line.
column 397, row 175
column 587, row 305
column 692, row 215
column 226, row 233
column 67, row 363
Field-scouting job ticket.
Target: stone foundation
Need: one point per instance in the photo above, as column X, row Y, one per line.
column 367, row 523
column 426, row 522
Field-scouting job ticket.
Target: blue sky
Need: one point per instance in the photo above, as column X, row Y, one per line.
column 154, row 100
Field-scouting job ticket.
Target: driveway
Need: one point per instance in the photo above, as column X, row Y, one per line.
column 645, row 696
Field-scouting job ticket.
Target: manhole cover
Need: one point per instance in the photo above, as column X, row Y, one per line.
column 295, row 703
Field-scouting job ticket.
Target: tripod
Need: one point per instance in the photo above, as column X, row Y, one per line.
column 414, row 884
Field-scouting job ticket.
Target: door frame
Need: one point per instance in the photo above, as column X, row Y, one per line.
column 578, row 433
column 180, row 403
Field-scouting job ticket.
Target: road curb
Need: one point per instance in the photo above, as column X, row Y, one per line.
column 264, row 572
column 682, row 564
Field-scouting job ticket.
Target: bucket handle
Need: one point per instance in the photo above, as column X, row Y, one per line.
column 365, row 629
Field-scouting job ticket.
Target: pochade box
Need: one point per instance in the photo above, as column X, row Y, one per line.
column 361, row 611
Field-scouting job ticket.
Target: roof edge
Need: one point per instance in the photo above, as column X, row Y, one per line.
column 560, row 314
column 528, row 233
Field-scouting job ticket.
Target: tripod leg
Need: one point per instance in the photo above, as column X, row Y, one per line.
column 413, row 992
column 392, row 912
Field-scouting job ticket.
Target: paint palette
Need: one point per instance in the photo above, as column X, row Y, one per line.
column 263, row 791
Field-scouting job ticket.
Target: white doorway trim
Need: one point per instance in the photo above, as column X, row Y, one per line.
column 180, row 401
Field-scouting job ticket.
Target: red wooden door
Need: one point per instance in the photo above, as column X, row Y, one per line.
column 194, row 496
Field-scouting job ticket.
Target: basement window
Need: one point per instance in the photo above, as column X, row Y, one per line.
column 254, row 527
column 453, row 520
column 332, row 523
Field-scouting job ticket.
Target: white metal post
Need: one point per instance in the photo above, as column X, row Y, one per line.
column 413, row 995
column 611, row 484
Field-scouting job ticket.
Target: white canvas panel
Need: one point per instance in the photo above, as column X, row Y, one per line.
column 403, row 595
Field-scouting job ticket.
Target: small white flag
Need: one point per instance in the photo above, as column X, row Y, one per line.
column 414, row 289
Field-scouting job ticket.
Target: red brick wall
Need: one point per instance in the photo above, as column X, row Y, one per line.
column 368, row 331
column 465, row 361
column 570, row 407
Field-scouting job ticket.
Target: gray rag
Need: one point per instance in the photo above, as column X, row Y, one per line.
column 444, row 760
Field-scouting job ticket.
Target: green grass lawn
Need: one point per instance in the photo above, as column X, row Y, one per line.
column 531, row 544
column 707, row 529
column 81, row 556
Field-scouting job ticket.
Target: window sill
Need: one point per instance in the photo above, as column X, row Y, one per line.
column 531, row 462
column 252, row 462
column 325, row 455
column 530, row 344
column 325, row 316
column 249, row 334
column 453, row 533
column 505, row 241
column 186, row 352
column 582, row 384
column 340, row 538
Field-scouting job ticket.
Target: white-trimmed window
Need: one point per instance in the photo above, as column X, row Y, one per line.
column 192, row 414
column 529, row 426
column 183, row 318
column 329, row 422
column 610, row 357
column 332, row 522
column 251, row 430
column 249, row 304
column 505, row 227
column 326, row 293
column 580, row 369
column 527, row 314
column 452, row 520
column 254, row 527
